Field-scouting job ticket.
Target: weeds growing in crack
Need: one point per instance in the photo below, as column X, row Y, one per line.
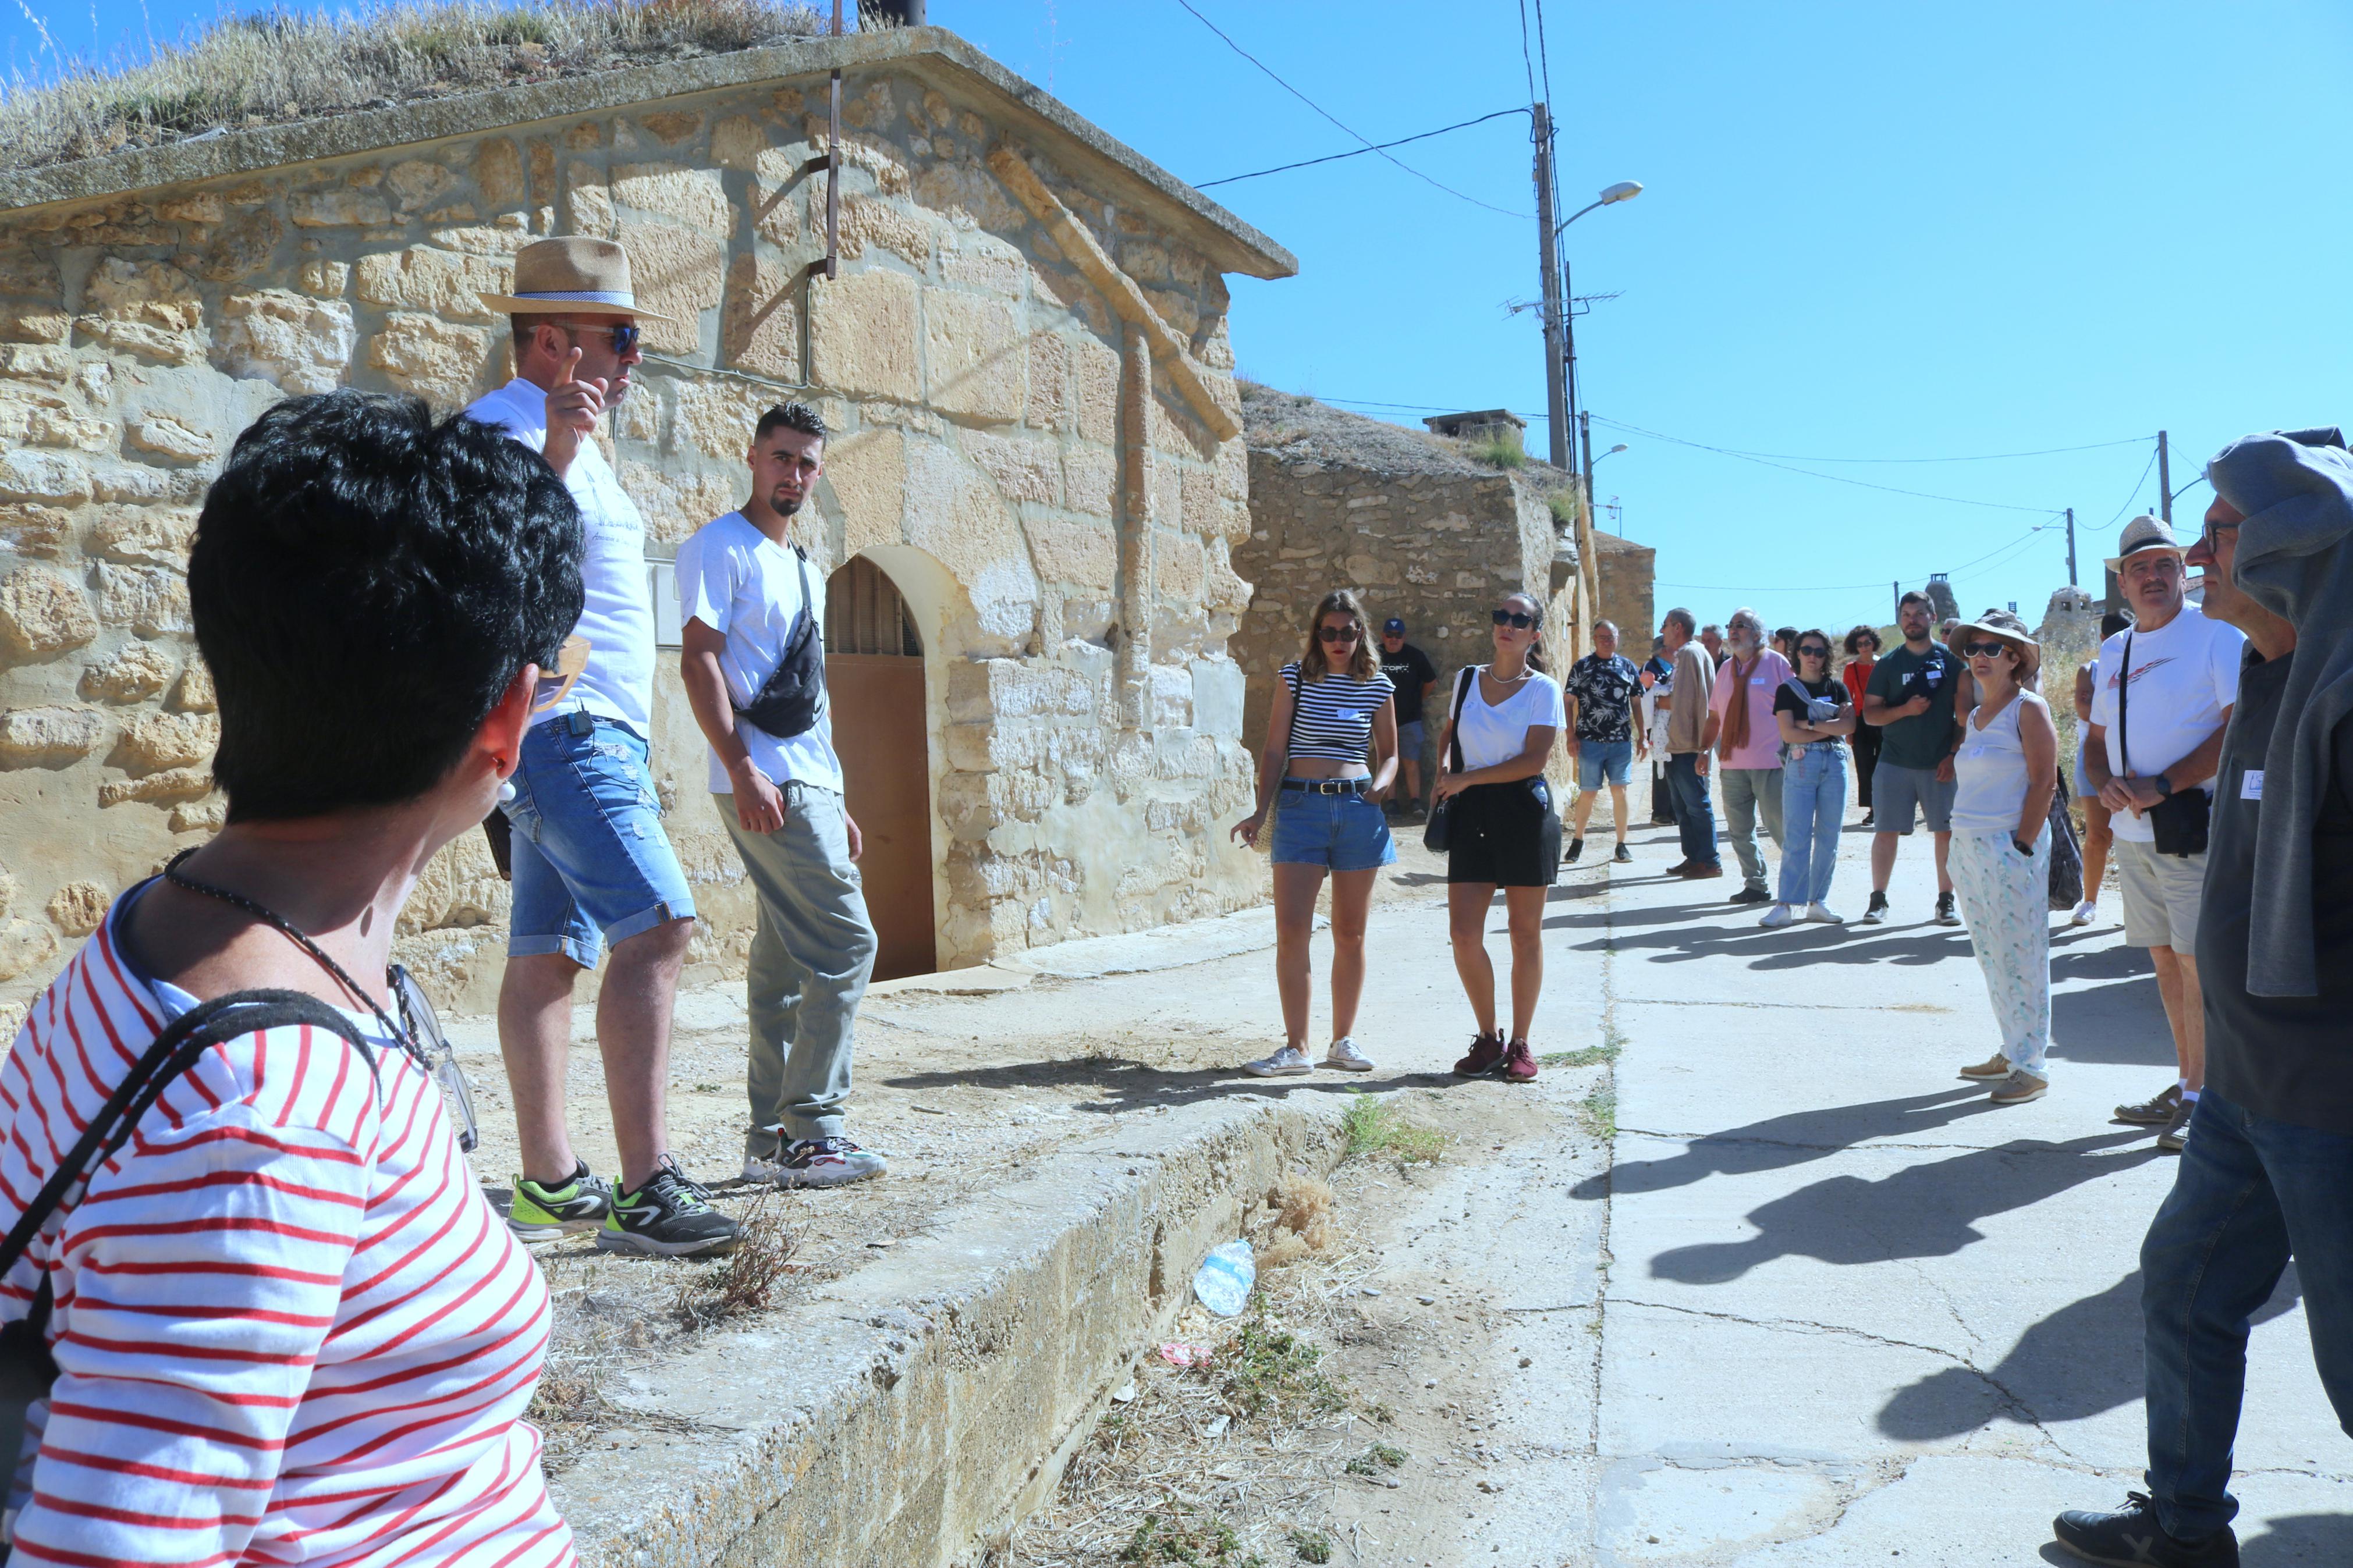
column 1376, row 1127
column 1587, row 1057
column 1598, row 1112
column 745, row 1279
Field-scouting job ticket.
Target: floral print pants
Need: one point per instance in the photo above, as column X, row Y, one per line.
column 2005, row 897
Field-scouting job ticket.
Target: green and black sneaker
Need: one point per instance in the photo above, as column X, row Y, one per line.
column 670, row 1217
column 538, row 1213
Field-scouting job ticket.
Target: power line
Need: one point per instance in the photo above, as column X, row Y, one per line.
column 2011, row 547
column 1524, row 60
column 1327, row 114
column 2135, row 489
column 1356, row 153
column 1834, row 479
column 1978, row 458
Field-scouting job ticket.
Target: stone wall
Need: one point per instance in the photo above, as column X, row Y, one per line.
column 1414, row 527
column 1627, row 571
column 969, row 362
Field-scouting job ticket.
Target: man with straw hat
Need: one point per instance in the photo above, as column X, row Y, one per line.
column 2158, row 709
column 592, row 865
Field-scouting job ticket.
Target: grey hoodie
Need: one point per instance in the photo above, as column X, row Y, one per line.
column 2296, row 559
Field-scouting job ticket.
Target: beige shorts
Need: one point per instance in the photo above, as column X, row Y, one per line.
column 2162, row 893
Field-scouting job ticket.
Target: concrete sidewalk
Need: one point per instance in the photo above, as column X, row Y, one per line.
column 1853, row 1312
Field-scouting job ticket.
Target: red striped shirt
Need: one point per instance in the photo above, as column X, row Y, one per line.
column 289, row 1327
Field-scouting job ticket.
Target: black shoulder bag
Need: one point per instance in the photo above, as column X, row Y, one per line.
column 791, row 699
column 1434, row 834
column 27, row 1369
column 2179, row 821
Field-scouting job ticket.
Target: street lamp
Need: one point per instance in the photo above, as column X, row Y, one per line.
column 1623, row 191
column 1612, row 452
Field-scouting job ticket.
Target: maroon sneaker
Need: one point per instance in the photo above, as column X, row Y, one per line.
column 1486, row 1055
column 1519, row 1063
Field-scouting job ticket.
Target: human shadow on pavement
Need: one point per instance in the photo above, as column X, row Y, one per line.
column 1125, row 1084
column 2081, row 1360
column 1927, row 1210
column 2121, row 1024
column 1678, row 941
column 1779, row 1141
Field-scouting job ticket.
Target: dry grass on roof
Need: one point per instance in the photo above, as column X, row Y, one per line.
column 275, row 68
column 1300, row 429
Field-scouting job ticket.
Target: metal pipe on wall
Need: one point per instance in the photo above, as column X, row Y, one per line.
column 1135, row 467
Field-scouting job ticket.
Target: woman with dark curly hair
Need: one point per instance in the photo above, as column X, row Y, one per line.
column 1861, row 658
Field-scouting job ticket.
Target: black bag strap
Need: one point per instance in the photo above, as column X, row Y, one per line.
column 1462, row 683
column 2124, row 695
column 179, row 1047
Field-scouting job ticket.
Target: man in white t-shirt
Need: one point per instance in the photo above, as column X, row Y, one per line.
column 2160, row 706
column 754, row 664
column 591, row 864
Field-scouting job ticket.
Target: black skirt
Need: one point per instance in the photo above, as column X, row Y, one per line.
column 1506, row 834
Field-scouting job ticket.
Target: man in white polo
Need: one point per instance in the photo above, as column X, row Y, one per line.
column 2162, row 700
column 592, row 865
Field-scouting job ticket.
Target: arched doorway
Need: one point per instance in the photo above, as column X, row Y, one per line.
column 874, row 672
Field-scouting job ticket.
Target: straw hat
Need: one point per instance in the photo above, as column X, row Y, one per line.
column 572, row 273
column 2144, row 534
column 2005, row 625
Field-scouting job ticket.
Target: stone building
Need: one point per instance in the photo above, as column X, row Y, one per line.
column 1415, row 525
column 1626, row 572
column 1034, row 498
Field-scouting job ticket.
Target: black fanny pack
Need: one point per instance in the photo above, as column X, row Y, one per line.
column 792, row 699
column 27, row 1370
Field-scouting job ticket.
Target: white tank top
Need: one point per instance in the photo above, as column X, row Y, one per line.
column 1990, row 768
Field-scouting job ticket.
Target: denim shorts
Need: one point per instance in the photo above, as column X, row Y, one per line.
column 1410, row 740
column 1344, row 832
column 1896, row 791
column 1601, row 760
column 592, row 864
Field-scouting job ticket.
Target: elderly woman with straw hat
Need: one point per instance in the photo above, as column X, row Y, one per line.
column 2006, row 771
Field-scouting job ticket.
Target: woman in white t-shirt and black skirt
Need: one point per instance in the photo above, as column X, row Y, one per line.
column 1502, row 828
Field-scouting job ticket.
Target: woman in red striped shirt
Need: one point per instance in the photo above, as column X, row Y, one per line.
column 287, row 1327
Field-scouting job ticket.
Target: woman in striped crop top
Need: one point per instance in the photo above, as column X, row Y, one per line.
column 286, row 1326
column 1332, row 710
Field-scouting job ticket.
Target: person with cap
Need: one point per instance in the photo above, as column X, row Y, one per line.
column 2268, row 1175
column 1600, row 689
column 2005, row 774
column 2164, row 695
column 1415, row 678
column 592, row 866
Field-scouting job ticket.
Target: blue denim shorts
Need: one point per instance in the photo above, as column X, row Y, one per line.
column 1411, row 738
column 1344, row 832
column 1603, row 761
column 592, row 864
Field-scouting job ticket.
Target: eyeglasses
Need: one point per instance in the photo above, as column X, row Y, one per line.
column 1984, row 649
column 625, row 334
column 1339, row 634
column 417, row 1017
column 1518, row 620
column 570, row 660
column 2206, row 535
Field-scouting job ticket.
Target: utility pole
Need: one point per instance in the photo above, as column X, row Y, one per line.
column 2071, row 547
column 2164, row 479
column 1556, row 314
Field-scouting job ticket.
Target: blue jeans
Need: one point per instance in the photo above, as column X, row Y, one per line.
column 1344, row 832
column 2251, row 1193
column 592, row 864
column 1695, row 812
column 1813, row 800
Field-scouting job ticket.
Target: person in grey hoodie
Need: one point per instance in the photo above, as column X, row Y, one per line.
column 2267, row 1173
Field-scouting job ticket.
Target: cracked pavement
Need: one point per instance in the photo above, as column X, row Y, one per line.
column 1850, row 1311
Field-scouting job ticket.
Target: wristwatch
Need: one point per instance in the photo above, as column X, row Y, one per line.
column 2164, row 786
column 2023, row 848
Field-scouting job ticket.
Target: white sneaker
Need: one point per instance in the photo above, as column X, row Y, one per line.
column 1823, row 915
column 1344, row 1055
column 2085, row 912
column 1289, row 1062
column 1777, row 917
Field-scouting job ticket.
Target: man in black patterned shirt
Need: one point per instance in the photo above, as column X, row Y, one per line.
column 1600, row 692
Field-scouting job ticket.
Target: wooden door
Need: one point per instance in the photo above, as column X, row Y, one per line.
column 875, row 674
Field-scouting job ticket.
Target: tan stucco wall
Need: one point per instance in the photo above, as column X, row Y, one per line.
column 1627, row 572
column 971, row 370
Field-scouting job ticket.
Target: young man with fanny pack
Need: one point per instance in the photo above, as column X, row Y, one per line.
column 754, row 664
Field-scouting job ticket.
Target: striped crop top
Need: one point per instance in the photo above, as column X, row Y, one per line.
column 1332, row 718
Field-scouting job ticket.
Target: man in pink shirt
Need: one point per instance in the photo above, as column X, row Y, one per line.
column 1746, row 740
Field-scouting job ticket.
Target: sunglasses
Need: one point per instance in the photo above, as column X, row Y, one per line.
column 1518, row 620
column 1339, row 634
column 417, row 1015
column 625, row 335
column 1984, row 649
column 570, row 660
column 1813, row 652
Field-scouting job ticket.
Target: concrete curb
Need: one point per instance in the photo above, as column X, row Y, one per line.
column 935, row 1394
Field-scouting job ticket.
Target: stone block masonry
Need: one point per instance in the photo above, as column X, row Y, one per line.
column 997, row 257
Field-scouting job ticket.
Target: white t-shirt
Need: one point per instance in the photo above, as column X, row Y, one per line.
column 740, row 582
column 1497, row 733
column 2183, row 675
column 619, row 618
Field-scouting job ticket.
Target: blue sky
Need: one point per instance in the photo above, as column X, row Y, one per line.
column 1869, row 230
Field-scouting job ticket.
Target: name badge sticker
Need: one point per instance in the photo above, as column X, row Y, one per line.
column 2251, row 784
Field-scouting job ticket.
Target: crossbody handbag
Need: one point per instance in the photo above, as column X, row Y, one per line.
column 27, row 1370
column 793, row 697
column 2179, row 821
column 1435, row 832
column 1264, row 841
